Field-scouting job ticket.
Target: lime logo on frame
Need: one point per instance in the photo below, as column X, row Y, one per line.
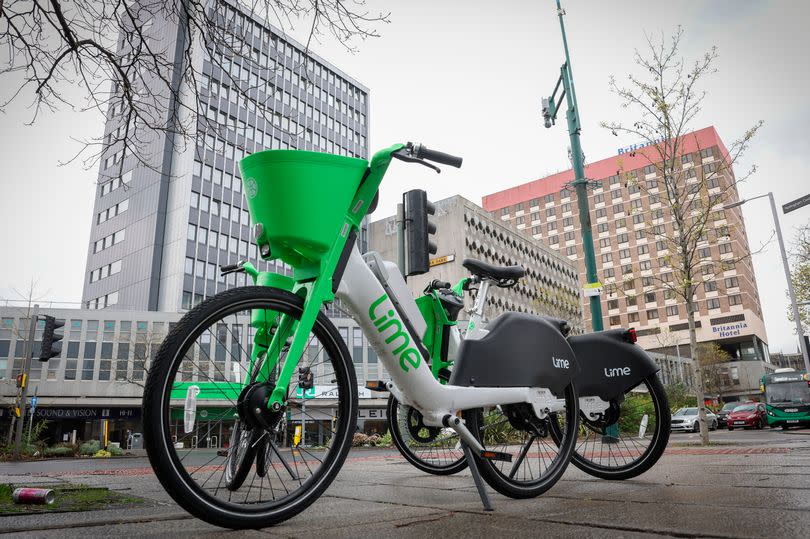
column 408, row 355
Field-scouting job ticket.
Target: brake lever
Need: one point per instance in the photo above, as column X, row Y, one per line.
column 410, row 159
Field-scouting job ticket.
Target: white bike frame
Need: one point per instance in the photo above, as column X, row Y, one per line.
column 412, row 382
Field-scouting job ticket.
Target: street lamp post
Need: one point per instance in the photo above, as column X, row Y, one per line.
column 794, row 305
column 551, row 106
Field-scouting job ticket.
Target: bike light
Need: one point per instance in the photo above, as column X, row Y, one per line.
column 631, row 336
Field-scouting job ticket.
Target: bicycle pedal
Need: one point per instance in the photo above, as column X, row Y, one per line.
column 376, row 385
column 495, row 455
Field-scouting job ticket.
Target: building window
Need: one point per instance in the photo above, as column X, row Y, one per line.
column 554, row 240
column 645, row 265
column 631, row 301
column 686, row 158
column 549, row 198
column 725, row 248
column 570, row 235
column 652, row 314
column 643, row 249
column 602, row 227
column 613, row 304
column 672, row 310
column 571, row 250
column 550, row 212
column 609, row 273
column 735, row 299
column 649, row 169
column 732, row 282
column 632, row 317
column 607, row 257
column 615, row 320
column 649, row 297
column 713, row 303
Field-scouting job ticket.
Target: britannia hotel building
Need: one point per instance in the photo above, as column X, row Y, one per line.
column 627, row 257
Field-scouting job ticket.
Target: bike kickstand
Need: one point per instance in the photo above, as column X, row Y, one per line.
column 479, row 482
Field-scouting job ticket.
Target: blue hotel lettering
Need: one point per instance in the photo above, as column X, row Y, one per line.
column 731, row 330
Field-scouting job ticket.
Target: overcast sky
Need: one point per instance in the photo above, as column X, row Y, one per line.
column 466, row 77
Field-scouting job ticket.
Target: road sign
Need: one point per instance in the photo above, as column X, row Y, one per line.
column 442, row 260
column 306, row 394
column 592, row 289
column 796, row 204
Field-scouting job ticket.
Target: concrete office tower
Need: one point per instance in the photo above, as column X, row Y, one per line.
column 465, row 230
column 729, row 309
column 160, row 232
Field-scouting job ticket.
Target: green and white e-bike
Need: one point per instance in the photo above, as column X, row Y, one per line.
column 624, row 412
column 240, row 363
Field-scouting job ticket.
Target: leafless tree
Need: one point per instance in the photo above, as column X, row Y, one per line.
column 665, row 100
column 710, row 358
column 142, row 61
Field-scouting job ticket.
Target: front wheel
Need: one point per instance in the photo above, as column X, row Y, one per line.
column 210, row 349
column 634, row 441
column 538, row 462
column 432, row 450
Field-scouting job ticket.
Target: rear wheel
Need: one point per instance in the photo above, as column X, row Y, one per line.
column 209, row 348
column 635, row 439
column 538, row 461
column 433, row 450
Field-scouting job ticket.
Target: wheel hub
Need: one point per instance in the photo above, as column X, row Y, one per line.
column 252, row 406
column 522, row 417
column 610, row 417
column 417, row 427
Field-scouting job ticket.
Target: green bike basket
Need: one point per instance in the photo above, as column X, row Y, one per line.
column 300, row 199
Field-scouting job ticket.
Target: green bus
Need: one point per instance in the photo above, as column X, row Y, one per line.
column 787, row 398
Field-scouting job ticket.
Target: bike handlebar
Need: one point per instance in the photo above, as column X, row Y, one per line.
column 422, row 152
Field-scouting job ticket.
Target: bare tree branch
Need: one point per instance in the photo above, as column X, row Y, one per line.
column 124, row 67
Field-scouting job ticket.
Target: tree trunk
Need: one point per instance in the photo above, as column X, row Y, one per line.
column 696, row 370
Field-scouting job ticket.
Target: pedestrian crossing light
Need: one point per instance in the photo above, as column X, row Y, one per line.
column 418, row 229
column 51, row 346
column 21, row 379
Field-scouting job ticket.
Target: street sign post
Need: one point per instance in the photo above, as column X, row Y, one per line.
column 796, row 204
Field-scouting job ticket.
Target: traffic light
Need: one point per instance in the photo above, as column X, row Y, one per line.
column 418, row 229
column 50, row 341
column 549, row 111
column 21, row 379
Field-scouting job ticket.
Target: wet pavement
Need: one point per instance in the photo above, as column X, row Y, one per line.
column 749, row 484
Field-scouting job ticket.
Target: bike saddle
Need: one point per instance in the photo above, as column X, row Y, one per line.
column 498, row 273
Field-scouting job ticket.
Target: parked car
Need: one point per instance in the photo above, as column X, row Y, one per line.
column 749, row 415
column 686, row 420
column 726, row 409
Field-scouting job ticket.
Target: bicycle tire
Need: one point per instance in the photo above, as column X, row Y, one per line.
column 646, row 460
column 241, row 453
column 159, row 445
column 405, row 449
column 506, row 484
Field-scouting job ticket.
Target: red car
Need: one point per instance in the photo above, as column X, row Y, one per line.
column 749, row 415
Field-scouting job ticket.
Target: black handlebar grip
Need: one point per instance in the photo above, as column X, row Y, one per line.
column 439, row 157
column 440, row 285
